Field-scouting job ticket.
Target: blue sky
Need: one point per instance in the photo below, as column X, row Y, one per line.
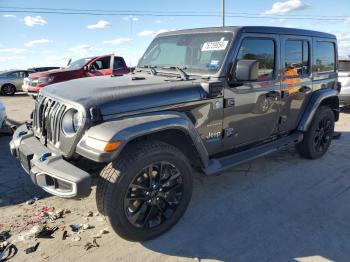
column 32, row 39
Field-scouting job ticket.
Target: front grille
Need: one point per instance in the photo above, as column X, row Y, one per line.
column 47, row 119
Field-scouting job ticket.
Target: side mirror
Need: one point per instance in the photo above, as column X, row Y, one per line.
column 86, row 68
column 247, row 70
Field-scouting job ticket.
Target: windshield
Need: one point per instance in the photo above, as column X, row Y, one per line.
column 77, row 64
column 195, row 53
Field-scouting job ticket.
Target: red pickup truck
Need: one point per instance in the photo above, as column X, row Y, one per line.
column 84, row 67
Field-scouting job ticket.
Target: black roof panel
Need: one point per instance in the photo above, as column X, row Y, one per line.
column 252, row 29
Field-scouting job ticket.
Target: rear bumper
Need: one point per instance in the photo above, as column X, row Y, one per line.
column 47, row 169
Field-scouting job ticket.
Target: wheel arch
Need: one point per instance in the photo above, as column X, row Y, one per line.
column 328, row 97
column 170, row 127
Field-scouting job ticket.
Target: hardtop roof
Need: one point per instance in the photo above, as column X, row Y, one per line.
column 252, row 29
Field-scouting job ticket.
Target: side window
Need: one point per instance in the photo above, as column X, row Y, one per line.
column 22, row 74
column 325, row 57
column 13, row 75
column 102, row 63
column 297, row 58
column 262, row 50
column 118, row 63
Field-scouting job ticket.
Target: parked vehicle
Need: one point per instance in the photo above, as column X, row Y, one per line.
column 344, row 79
column 2, row 116
column 43, row 69
column 196, row 99
column 85, row 67
column 11, row 81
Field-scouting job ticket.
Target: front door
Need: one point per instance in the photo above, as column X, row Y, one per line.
column 252, row 108
column 296, row 80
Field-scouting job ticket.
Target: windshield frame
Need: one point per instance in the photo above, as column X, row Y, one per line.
column 188, row 71
column 87, row 60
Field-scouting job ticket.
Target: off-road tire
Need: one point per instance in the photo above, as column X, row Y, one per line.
column 307, row 148
column 8, row 90
column 116, row 177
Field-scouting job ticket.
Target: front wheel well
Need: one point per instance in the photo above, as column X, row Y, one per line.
column 176, row 138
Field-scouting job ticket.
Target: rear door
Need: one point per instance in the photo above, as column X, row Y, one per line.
column 252, row 108
column 296, row 79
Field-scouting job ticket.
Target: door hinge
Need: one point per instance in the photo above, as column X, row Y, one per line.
column 228, row 102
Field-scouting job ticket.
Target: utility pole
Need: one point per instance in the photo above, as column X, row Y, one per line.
column 223, row 13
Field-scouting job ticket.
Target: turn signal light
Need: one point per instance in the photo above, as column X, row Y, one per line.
column 112, row 146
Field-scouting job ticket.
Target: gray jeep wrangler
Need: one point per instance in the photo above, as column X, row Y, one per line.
column 208, row 99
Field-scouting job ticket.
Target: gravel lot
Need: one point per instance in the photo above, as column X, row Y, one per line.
column 276, row 208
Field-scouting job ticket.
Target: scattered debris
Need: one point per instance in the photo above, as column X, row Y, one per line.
column 4, row 235
column 89, row 214
column 75, row 227
column 94, row 241
column 3, row 245
column 11, row 251
column 32, row 201
column 43, row 256
column 32, row 249
column 33, row 232
column 87, row 226
column 76, row 238
column 89, row 245
column 64, row 235
column 47, row 232
column 104, row 231
column 97, row 235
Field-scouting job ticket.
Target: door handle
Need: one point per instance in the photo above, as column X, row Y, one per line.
column 304, row 89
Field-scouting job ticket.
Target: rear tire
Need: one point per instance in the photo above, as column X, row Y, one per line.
column 318, row 138
column 139, row 206
column 8, row 90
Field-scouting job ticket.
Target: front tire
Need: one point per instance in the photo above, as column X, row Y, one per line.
column 319, row 136
column 8, row 90
column 145, row 191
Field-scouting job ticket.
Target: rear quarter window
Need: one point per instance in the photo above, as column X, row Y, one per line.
column 325, row 57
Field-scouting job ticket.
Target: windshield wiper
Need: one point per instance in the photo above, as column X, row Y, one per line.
column 183, row 75
column 152, row 69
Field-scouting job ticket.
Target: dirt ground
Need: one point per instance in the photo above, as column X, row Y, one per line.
column 276, row 208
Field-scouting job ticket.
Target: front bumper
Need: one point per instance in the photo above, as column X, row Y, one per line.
column 48, row 169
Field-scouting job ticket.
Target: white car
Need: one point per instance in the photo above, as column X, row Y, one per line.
column 2, row 115
column 344, row 79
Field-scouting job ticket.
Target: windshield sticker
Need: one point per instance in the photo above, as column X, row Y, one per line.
column 215, row 46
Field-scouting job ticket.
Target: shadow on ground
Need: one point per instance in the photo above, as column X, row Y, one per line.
column 278, row 208
column 15, row 185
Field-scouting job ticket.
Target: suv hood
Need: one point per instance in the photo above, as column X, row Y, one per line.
column 118, row 94
column 47, row 73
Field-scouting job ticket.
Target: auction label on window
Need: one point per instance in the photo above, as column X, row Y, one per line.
column 215, row 46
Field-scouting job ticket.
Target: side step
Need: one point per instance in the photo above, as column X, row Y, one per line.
column 218, row 165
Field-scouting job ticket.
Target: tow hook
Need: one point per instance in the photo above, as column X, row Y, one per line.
column 22, row 133
column 44, row 156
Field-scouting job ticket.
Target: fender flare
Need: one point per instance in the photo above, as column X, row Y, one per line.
column 315, row 101
column 128, row 129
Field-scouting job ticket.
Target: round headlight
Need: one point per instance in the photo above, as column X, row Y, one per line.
column 72, row 121
column 77, row 121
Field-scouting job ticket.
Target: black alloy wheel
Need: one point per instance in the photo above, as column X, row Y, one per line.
column 154, row 195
